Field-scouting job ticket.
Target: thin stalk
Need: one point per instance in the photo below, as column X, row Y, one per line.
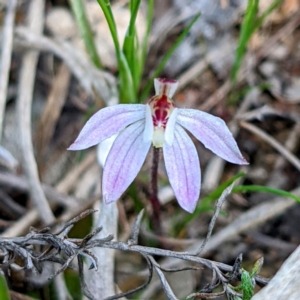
column 144, row 47
column 106, row 8
column 250, row 24
column 267, row 12
column 245, row 34
column 166, row 57
column 127, row 94
column 85, row 31
column 156, row 219
column 130, row 46
column 134, row 10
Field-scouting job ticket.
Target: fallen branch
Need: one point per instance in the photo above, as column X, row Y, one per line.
column 59, row 248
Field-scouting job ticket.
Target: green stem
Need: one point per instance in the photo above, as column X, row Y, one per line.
column 106, row 8
column 130, row 46
column 141, row 65
column 85, row 31
column 134, row 10
column 127, row 94
column 266, row 13
column 245, row 34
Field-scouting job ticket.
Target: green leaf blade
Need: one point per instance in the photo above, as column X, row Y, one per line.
column 265, row 189
column 85, row 31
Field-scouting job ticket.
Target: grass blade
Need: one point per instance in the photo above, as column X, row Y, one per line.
column 130, row 46
column 106, row 8
column 267, row 12
column 85, row 31
column 143, row 54
column 126, row 88
column 265, row 189
column 249, row 25
column 246, row 32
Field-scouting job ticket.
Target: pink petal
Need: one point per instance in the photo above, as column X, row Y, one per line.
column 213, row 133
column 124, row 161
column 106, row 122
column 183, row 168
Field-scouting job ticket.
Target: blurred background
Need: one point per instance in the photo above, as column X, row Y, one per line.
column 239, row 64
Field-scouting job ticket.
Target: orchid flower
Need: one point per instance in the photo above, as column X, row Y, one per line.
column 161, row 124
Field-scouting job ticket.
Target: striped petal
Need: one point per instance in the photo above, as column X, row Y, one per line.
column 124, row 161
column 183, row 168
column 213, row 133
column 106, row 122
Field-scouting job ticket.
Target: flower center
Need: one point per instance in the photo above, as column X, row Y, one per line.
column 161, row 114
column 161, row 107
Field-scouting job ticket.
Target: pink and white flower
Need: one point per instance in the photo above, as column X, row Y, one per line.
column 161, row 124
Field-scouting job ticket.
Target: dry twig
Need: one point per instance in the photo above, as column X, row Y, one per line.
column 55, row 243
column 275, row 144
column 53, row 108
column 92, row 79
column 5, row 59
column 101, row 283
column 27, row 77
column 248, row 220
